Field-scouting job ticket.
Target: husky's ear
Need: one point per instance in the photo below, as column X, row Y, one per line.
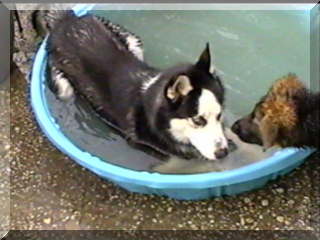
column 179, row 86
column 204, row 61
column 269, row 133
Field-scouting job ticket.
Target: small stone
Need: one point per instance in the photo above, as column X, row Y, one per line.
column 154, row 220
column 210, row 209
column 47, row 221
column 280, row 190
column 287, row 222
column 265, row 202
column 247, row 200
column 193, row 226
column 306, row 199
column 7, row 147
column 242, row 221
column 291, row 202
column 169, row 209
column 249, row 220
column 280, row 219
column 16, row 129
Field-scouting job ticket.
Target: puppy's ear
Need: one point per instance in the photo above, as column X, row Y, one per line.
column 178, row 87
column 204, row 61
column 269, row 133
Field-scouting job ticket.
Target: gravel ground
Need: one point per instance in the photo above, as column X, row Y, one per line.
column 49, row 191
column 160, row 235
column 4, row 156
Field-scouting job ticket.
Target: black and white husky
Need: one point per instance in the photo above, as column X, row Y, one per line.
column 177, row 111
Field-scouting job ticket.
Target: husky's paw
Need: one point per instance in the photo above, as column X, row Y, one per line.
column 130, row 135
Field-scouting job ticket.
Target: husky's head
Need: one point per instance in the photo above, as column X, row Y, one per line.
column 189, row 107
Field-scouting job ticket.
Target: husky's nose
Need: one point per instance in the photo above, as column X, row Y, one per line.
column 221, row 153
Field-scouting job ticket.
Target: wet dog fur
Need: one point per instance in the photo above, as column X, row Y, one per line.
column 287, row 116
column 174, row 111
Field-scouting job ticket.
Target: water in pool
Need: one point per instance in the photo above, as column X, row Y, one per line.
column 250, row 50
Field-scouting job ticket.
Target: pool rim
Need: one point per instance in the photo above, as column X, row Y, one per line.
column 278, row 162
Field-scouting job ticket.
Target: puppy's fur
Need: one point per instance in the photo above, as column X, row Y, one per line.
column 288, row 116
column 174, row 111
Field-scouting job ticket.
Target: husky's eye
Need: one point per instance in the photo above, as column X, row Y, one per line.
column 219, row 116
column 199, row 121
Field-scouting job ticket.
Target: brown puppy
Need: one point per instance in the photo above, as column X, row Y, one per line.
column 287, row 116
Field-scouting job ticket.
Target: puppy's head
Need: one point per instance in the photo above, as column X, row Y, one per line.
column 192, row 105
column 273, row 119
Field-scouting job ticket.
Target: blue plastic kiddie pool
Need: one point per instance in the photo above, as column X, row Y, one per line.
column 184, row 187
